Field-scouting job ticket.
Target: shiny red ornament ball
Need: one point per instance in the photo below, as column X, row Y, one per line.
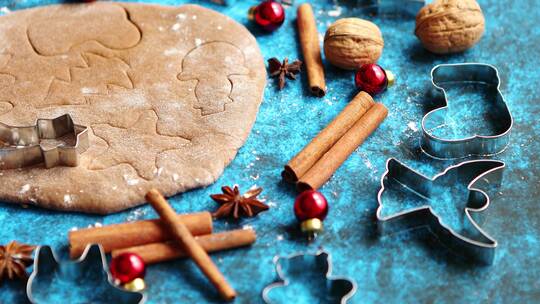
column 310, row 204
column 127, row 267
column 371, row 78
column 269, row 15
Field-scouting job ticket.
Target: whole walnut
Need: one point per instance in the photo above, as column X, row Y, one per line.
column 450, row 26
column 350, row 43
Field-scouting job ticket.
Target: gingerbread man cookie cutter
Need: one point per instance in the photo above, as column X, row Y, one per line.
column 92, row 266
column 478, row 145
column 471, row 241
column 32, row 145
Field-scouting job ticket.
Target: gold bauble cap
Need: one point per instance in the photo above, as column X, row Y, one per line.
column 135, row 285
column 313, row 225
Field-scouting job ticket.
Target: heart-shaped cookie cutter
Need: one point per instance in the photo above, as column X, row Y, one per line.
column 24, row 146
column 479, row 145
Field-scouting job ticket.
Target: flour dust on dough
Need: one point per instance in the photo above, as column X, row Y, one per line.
column 169, row 93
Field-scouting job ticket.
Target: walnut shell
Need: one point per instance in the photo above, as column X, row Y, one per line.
column 351, row 42
column 450, row 26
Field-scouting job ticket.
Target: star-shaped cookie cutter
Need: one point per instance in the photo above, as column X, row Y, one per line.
column 27, row 146
column 46, row 265
column 341, row 288
column 480, row 145
column 482, row 247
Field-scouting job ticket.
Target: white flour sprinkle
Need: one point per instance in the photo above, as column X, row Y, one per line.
column 175, row 177
column 412, row 126
column 171, row 52
column 176, row 27
column 131, row 181
column 68, row 199
column 24, row 189
column 198, row 41
column 181, row 16
column 247, row 227
column 89, row 91
column 194, row 17
column 335, row 12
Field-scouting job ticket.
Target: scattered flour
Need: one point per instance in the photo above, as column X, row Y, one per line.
column 131, row 181
column 24, row 189
column 412, row 126
column 68, row 199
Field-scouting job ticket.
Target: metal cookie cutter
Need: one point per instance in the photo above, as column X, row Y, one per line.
column 481, row 145
column 334, row 289
column 414, row 195
column 54, row 282
column 27, row 146
column 404, row 8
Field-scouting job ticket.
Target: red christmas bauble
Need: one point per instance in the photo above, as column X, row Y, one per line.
column 127, row 267
column 269, row 15
column 371, row 78
column 310, row 204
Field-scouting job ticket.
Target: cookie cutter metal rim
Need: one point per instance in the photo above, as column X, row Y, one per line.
column 489, row 246
column 475, row 139
column 25, row 149
column 328, row 275
column 82, row 258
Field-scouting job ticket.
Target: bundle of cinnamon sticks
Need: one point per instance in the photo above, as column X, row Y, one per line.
column 316, row 163
column 152, row 240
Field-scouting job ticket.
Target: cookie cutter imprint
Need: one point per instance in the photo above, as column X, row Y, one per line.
column 340, row 286
column 479, row 145
column 475, row 171
column 46, row 261
column 23, row 146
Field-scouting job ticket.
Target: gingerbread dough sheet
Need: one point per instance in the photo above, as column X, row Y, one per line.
column 169, row 93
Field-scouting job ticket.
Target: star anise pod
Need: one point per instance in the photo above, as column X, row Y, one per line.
column 236, row 205
column 14, row 259
column 284, row 69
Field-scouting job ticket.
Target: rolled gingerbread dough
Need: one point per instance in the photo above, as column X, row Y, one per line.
column 169, row 95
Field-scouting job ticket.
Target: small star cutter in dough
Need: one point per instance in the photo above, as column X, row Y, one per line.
column 24, row 146
column 46, row 263
column 341, row 287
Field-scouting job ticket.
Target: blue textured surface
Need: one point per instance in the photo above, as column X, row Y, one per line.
column 407, row 267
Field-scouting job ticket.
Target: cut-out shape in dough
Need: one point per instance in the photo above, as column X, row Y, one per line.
column 112, row 28
column 144, row 82
column 213, row 87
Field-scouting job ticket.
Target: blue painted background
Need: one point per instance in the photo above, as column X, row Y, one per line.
column 407, row 267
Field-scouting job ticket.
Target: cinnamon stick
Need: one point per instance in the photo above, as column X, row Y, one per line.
column 190, row 245
column 309, row 40
column 135, row 233
column 161, row 252
column 331, row 160
column 311, row 153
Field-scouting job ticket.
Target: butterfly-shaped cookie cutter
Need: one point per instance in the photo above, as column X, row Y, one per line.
column 340, row 287
column 27, row 146
column 479, row 145
column 46, row 264
column 482, row 247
